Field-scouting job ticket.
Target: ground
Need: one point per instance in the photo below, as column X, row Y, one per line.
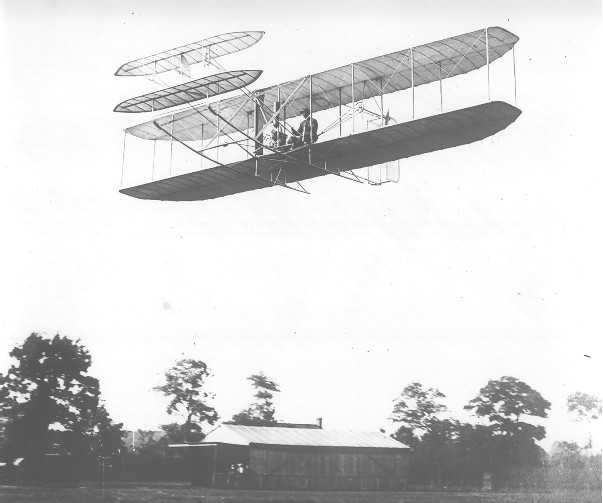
column 179, row 493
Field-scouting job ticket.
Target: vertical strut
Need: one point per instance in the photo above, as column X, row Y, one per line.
column 488, row 62
column 247, row 130
column 154, row 141
column 258, row 125
column 339, row 89
column 123, row 160
column 441, row 98
column 381, row 96
column 353, row 100
column 218, row 133
column 412, row 81
column 202, row 139
column 171, row 144
column 285, row 118
column 153, row 168
column 514, row 78
column 311, row 130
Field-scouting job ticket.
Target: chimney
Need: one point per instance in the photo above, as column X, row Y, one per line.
column 319, row 422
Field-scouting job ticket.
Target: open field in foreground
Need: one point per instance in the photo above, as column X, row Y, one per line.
column 175, row 493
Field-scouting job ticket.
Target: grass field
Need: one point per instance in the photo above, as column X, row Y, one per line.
column 178, row 493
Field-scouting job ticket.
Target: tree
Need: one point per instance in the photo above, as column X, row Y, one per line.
column 49, row 386
column 572, row 467
column 416, row 410
column 97, row 434
column 185, row 386
column 505, row 402
column 260, row 413
column 584, row 407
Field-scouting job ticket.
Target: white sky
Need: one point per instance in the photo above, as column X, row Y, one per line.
column 483, row 261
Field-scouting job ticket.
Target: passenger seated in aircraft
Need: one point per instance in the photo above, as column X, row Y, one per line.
column 308, row 128
column 275, row 137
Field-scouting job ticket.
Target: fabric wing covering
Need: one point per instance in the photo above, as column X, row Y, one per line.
column 195, row 52
column 383, row 74
column 377, row 146
column 188, row 92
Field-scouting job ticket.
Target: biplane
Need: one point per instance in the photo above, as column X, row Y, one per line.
column 358, row 132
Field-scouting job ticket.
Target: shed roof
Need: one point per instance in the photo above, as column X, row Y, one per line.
column 273, row 435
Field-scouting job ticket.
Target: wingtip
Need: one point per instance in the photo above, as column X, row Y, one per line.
column 516, row 37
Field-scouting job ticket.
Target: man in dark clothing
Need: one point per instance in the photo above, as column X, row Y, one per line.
column 308, row 129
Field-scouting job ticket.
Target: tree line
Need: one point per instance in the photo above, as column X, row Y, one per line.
column 50, row 405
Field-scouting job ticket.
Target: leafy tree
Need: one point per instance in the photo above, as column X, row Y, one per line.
column 260, row 413
column 505, row 401
column 49, row 386
column 416, row 410
column 185, row 386
column 100, row 435
column 584, row 406
column 571, row 467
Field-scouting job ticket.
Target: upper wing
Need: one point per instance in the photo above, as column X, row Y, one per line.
column 382, row 74
column 195, row 52
column 342, row 154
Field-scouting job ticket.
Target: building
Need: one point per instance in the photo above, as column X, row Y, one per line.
column 293, row 456
column 135, row 439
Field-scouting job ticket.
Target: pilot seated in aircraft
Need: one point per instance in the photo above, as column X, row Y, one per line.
column 308, row 129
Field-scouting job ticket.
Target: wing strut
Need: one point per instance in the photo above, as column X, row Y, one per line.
column 270, row 182
column 285, row 156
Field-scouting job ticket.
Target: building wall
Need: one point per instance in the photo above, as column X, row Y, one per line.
column 329, row 468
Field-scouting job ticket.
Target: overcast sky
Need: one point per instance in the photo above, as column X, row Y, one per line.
column 483, row 261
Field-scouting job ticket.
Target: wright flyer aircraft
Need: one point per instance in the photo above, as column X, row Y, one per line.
column 356, row 122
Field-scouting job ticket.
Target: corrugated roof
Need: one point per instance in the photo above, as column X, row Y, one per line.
column 247, row 435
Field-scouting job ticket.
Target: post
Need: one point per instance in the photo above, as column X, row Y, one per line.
column 202, row 140
column 247, row 130
column 339, row 89
column 218, row 132
column 123, row 160
column 258, row 125
column 153, row 168
column 154, row 141
column 171, row 143
column 412, row 81
column 311, row 130
column 488, row 62
column 381, row 96
column 213, row 472
column 310, row 97
column 441, row 98
column 514, row 78
column 277, row 111
column 285, row 119
column 353, row 100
